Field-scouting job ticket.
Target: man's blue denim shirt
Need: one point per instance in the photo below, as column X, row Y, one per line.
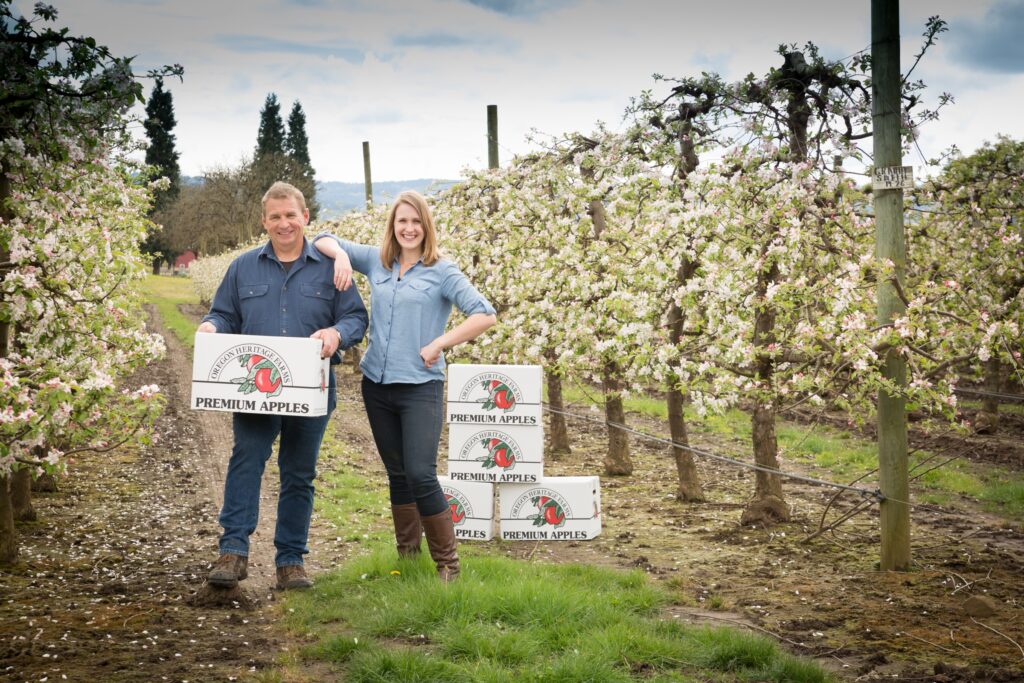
column 257, row 296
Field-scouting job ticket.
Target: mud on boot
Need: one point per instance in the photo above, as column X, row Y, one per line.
column 228, row 570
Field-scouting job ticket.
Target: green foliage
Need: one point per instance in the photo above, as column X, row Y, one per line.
column 270, row 138
column 54, row 81
column 161, row 154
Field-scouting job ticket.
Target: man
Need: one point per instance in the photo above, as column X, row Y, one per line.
column 285, row 289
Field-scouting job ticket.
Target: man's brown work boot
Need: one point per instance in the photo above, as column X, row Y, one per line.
column 292, row 577
column 228, row 570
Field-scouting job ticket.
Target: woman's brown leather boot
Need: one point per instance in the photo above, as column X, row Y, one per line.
column 441, row 542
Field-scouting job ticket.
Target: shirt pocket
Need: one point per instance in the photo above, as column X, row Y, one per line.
column 419, row 290
column 250, row 291
column 318, row 290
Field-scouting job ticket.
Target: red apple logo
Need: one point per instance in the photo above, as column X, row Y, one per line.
column 499, row 454
column 263, row 376
column 499, row 396
column 549, row 513
column 457, row 509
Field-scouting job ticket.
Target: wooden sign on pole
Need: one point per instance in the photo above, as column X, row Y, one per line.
column 893, row 178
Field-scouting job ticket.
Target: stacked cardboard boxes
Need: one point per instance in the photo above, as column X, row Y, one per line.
column 496, row 438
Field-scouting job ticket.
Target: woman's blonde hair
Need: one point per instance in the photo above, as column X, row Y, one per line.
column 390, row 249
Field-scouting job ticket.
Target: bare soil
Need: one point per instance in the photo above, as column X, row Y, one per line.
column 110, row 582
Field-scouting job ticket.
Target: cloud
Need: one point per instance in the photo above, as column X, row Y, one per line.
column 521, row 8
column 438, row 39
column 993, row 43
column 263, row 44
column 377, row 117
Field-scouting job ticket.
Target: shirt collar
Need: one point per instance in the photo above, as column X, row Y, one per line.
column 308, row 251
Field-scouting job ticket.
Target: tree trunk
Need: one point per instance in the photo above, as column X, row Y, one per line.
column 988, row 418
column 8, row 537
column 617, row 462
column 355, row 356
column 44, row 483
column 689, row 488
column 558, row 434
column 156, row 265
column 21, row 495
column 767, row 506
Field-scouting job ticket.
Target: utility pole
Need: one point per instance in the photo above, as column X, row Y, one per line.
column 492, row 136
column 367, row 182
column 890, row 244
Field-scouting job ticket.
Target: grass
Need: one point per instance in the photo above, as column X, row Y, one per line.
column 166, row 293
column 379, row 618
column 846, row 456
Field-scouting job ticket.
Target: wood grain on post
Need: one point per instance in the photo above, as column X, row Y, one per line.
column 890, row 244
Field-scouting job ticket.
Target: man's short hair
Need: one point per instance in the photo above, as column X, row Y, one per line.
column 283, row 190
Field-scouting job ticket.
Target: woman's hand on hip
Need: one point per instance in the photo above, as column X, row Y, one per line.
column 430, row 354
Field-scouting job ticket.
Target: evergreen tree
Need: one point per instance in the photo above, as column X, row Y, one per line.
column 161, row 154
column 163, row 158
column 270, row 139
column 297, row 143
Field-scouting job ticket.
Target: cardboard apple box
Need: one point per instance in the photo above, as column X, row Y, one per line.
column 494, row 394
column 495, row 454
column 553, row 509
column 472, row 507
column 254, row 374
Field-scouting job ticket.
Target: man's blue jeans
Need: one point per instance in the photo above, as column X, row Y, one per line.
column 406, row 422
column 296, row 459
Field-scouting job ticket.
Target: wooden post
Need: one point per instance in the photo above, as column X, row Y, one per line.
column 890, row 244
column 492, row 136
column 367, row 181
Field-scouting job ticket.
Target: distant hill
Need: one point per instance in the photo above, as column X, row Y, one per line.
column 337, row 198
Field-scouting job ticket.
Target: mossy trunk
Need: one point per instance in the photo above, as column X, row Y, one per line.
column 617, row 462
column 21, row 496
column 558, row 434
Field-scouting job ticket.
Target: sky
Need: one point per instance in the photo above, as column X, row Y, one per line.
column 414, row 77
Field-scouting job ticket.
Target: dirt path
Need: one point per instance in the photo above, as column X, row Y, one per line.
column 106, row 586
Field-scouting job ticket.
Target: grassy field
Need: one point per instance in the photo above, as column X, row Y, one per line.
column 166, row 292
column 378, row 618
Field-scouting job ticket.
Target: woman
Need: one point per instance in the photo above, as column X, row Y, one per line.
column 412, row 290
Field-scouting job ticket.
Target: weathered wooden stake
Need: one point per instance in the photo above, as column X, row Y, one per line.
column 890, row 244
column 492, row 136
column 367, row 181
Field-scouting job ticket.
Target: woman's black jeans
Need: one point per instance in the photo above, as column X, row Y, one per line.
column 406, row 422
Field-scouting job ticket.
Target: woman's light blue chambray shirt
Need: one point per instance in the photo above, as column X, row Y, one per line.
column 408, row 313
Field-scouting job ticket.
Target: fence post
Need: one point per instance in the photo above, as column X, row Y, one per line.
column 492, row 136
column 366, row 174
column 890, row 244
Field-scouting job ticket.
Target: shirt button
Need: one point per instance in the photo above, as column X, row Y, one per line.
column 284, row 310
column 283, row 331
